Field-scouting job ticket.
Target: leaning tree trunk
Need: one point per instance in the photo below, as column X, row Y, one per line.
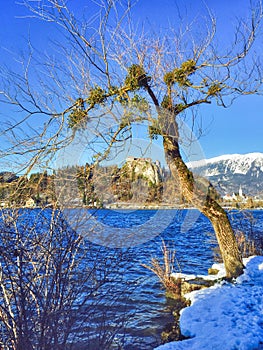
column 203, row 201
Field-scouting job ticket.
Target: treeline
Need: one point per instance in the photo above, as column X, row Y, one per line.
column 88, row 185
column 100, row 186
column 38, row 189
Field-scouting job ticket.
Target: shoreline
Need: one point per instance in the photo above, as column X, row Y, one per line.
column 123, row 206
column 134, row 207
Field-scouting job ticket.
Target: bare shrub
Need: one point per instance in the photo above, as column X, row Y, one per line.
column 53, row 284
column 163, row 270
column 247, row 245
column 248, row 239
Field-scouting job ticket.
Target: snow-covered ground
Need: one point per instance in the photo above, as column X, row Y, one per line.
column 225, row 316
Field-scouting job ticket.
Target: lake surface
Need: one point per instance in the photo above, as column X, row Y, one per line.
column 191, row 235
column 132, row 310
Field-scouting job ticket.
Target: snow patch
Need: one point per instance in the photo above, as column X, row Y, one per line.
column 234, row 163
column 226, row 316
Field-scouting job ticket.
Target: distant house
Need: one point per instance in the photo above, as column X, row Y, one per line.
column 228, row 197
column 235, row 196
column 30, row 203
column 4, row 204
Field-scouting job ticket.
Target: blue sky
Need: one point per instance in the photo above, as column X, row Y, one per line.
column 238, row 129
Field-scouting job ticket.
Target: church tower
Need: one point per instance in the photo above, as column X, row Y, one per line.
column 240, row 192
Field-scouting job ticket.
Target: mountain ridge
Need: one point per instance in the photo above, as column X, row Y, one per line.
column 230, row 171
column 202, row 162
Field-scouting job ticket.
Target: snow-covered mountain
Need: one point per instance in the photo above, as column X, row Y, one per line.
column 229, row 171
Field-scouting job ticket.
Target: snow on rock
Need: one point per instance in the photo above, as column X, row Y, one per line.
column 226, row 316
column 234, row 163
column 239, row 158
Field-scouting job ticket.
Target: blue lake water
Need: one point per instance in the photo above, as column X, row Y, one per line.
column 189, row 233
column 140, row 310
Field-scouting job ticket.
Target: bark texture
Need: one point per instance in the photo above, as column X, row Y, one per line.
column 202, row 200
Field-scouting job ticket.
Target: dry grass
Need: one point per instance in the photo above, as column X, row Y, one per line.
column 165, row 268
column 247, row 246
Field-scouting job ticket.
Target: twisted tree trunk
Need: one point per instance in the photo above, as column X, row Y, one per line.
column 202, row 200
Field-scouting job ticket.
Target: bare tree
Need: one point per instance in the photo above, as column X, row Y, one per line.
column 52, row 285
column 104, row 61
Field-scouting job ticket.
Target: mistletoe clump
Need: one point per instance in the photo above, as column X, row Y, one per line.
column 168, row 104
column 214, row 89
column 76, row 117
column 78, row 114
column 140, row 103
column 96, row 96
column 181, row 75
column 154, row 130
column 136, row 77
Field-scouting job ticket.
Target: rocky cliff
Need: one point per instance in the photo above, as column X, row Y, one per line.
column 139, row 179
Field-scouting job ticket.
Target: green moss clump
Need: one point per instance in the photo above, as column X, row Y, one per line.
column 96, row 95
column 136, row 77
column 154, row 130
column 189, row 67
column 169, row 78
column 125, row 121
column 180, row 75
column 113, row 90
column 76, row 117
column 140, row 103
column 214, row 89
